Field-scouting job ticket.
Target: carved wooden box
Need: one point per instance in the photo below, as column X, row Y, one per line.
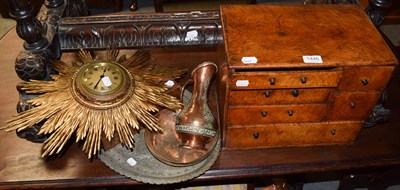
column 300, row 75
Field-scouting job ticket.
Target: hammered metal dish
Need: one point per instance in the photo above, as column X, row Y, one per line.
column 149, row 169
column 165, row 146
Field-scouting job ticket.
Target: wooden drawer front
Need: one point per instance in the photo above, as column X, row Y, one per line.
column 292, row 134
column 289, row 96
column 351, row 105
column 365, row 78
column 285, row 79
column 275, row 114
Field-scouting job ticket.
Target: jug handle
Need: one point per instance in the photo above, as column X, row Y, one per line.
column 183, row 87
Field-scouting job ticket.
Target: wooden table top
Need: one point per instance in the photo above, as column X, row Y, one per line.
column 288, row 37
column 22, row 167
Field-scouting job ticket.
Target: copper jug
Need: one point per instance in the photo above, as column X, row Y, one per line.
column 196, row 125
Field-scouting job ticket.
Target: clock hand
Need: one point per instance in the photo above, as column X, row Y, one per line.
column 101, row 76
column 95, row 86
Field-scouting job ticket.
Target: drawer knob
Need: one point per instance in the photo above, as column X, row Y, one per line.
column 333, row 131
column 264, row 113
column 352, row 104
column 267, row 93
column 303, row 80
column 256, row 135
column 295, row 93
column 290, row 112
column 272, row 81
column 364, row 82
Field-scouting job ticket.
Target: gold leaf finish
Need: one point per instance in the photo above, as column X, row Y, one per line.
column 64, row 114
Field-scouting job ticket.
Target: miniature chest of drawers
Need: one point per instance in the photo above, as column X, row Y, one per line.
column 300, row 75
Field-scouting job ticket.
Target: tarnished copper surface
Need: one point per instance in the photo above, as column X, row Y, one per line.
column 196, row 125
column 165, row 146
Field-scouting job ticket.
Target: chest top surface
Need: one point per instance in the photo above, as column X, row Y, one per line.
column 278, row 36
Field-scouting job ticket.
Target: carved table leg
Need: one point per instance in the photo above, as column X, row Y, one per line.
column 38, row 34
column 31, row 132
column 28, row 26
column 30, row 64
column 375, row 11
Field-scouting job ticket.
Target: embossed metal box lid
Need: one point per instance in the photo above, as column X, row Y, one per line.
column 290, row 36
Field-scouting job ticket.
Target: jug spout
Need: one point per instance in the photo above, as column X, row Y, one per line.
column 196, row 125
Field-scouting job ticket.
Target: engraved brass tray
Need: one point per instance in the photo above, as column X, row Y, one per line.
column 148, row 168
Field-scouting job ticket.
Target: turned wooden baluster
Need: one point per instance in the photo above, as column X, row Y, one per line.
column 28, row 26
column 41, row 42
column 33, row 62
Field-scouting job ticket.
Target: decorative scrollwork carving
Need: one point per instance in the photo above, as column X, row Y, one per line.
column 141, row 30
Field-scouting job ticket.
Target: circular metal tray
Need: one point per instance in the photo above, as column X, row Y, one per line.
column 149, row 169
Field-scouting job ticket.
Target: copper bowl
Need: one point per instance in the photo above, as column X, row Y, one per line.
column 165, row 146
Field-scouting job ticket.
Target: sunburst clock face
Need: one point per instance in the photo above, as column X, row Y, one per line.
column 102, row 78
column 102, row 85
column 98, row 98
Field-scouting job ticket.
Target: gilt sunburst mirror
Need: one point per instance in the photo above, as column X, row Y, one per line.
column 97, row 98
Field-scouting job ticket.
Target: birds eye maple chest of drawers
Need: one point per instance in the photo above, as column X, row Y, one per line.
column 300, row 75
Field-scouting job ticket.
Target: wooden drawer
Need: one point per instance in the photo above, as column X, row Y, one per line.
column 270, row 62
column 287, row 96
column 350, row 105
column 285, row 79
column 365, row 78
column 240, row 115
column 292, row 134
